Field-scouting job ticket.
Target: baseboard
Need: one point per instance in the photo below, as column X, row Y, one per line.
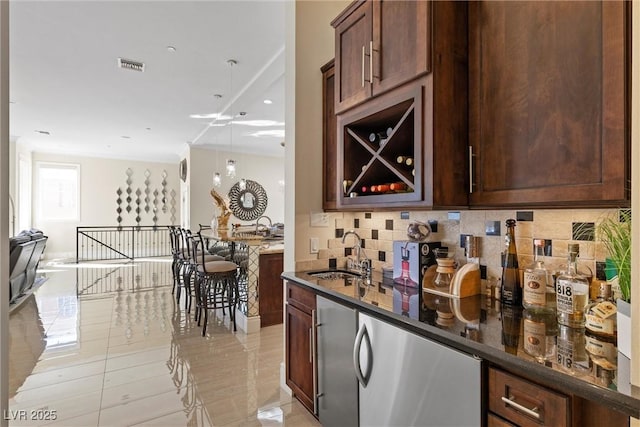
column 249, row 325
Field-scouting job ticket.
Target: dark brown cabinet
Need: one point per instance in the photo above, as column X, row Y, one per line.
column 270, row 289
column 300, row 344
column 516, row 401
column 548, row 104
column 380, row 44
column 329, row 138
column 424, row 118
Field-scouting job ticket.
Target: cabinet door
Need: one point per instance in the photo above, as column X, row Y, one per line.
column 329, row 139
column 353, row 40
column 548, row 103
column 300, row 357
column 337, row 384
column 270, row 289
column 401, row 42
column 412, row 381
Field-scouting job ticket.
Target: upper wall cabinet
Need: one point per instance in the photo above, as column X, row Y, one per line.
column 548, row 106
column 380, row 44
column 406, row 146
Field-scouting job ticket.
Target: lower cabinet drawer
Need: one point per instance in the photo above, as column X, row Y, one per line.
column 495, row 421
column 526, row 404
column 301, row 298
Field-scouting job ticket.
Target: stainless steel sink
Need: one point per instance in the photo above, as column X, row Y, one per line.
column 334, row 274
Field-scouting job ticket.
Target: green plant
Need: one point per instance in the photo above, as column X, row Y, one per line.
column 615, row 234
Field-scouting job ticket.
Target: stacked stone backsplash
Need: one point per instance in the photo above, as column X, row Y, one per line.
column 557, row 226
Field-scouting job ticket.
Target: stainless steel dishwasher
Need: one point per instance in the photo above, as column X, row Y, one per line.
column 408, row 380
column 337, row 386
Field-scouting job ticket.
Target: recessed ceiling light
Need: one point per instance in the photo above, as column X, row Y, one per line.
column 171, row 48
column 258, row 123
column 43, row 132
column 125, row 137
column 269, row 133
column 268, row 101
column 148, row 128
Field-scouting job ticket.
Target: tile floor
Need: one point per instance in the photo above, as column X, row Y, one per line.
column 123, row 354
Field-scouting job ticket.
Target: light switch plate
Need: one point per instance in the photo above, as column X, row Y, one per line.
column 314, row 244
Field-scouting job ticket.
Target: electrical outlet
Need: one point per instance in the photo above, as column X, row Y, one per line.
column 314, row 243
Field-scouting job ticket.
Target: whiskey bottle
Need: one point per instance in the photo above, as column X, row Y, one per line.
column 601, row 318
column 537, row 292
column 572, row 292
column 511, row 292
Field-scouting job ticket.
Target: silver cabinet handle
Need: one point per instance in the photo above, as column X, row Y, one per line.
column 371, row 62
column 362, row 65
column 314, row 361
column 363, row 335
column 311, row 345
column 531, row 412
column 471, row 156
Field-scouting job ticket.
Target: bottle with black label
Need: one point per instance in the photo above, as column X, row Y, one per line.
column 511, row 292
column 511, row 319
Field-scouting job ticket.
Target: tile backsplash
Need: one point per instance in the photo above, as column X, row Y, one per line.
column 558, row 227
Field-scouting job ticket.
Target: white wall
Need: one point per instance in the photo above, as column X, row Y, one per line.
column 203, row 163
column 4, row 208
column 99, row 180
column 314, row 47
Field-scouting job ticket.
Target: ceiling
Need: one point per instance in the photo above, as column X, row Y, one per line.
column 65, row 79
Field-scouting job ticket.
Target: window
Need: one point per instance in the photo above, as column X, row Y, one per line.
column 58, row 192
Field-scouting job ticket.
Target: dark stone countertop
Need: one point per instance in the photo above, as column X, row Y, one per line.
column 480, row 326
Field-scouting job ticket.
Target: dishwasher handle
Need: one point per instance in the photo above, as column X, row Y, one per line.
column 363, row 335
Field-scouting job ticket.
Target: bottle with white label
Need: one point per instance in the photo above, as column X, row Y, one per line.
column 601, row 317
column 538, row 293
column 572, row 292
column 539, row 333
column 572, row 355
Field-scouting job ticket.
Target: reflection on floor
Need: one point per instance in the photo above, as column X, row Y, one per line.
column 124, row 354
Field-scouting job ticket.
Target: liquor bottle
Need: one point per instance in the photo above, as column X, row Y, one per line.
column 511, row 291
column 572, row 292
column 601, row 318
column 537, row 292
column 572, row 355
column 539, row 332
column 511, row 320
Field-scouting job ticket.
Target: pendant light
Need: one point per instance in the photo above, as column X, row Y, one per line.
column 217, row 179
column 231, row 164
column 242, row 184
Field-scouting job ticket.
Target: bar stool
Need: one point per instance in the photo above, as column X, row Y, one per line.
column 195, row 256
column 216, row 286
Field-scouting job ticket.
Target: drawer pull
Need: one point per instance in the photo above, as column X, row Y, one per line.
column 531, row 412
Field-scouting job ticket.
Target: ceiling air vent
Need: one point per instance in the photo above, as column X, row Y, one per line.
column 130, row 65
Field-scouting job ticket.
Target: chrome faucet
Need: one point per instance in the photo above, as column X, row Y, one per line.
column 258, row 222
column 364, row 263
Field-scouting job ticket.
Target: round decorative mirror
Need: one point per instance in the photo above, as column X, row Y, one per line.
column 247, row 204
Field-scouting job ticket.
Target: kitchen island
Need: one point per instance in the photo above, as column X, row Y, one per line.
column 258, row 291
column 592, row 391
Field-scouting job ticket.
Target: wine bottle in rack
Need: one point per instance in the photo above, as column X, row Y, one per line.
column 378, row 138
column 398, row 186
column 383, row 188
